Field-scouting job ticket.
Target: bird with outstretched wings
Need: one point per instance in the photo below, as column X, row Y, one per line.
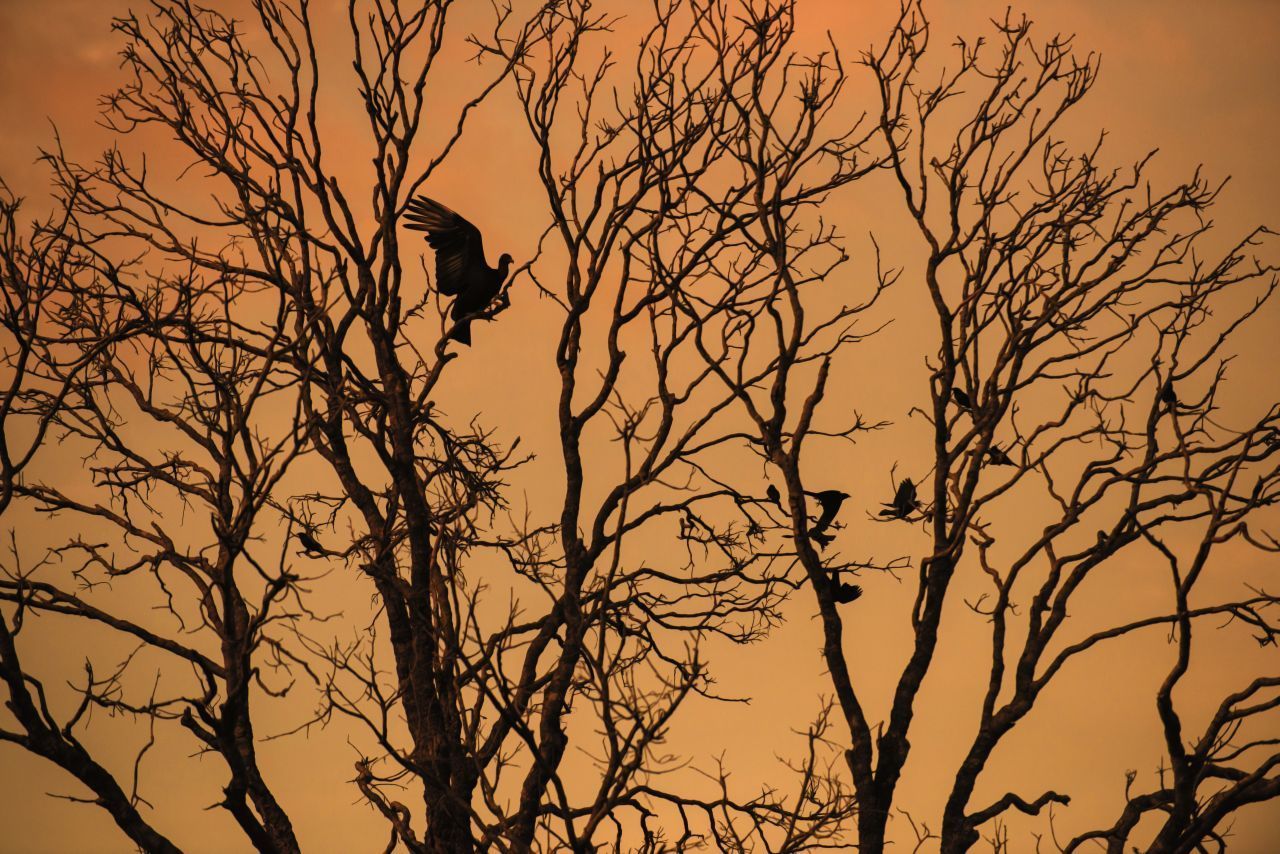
column 461, row 270
column 904, row 501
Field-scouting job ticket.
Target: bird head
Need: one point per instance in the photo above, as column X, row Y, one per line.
column 504, row 264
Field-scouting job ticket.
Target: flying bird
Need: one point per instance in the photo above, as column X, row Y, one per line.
column 998, row 457
column 461, row 271
column 830, row 501
column 904, row 501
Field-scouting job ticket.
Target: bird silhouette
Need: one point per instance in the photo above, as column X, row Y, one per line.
column 461, row 271
column 904, row 501
column 998, row 457
column 774, row 495
column 1168, row 396
column 961, row 397
column 830, row 501
column 846, row 593
column 310, row 545
column 823, row 540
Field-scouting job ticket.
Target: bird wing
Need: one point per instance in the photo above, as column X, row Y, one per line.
column 457, row 243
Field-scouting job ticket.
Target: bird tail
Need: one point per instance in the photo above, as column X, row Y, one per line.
column 461, row 332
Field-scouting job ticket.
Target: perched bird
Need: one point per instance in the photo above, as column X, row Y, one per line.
column 461, row 271
column 961, row 397
column 773, row 495
column 904, row 501
column 998, row 457
column 830, row 501
column 846, row 593
column 310, row 544
column 1168, row 396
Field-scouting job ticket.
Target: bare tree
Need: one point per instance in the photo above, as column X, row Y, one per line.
column 55, row 345
column 1051, row 275
column 255, row 316
column 280, row 323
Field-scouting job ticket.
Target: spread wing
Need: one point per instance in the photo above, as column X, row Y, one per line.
column 906, row 494
column 457, row 243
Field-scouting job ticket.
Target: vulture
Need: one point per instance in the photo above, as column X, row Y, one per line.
column 904, row 501
column 461, row 271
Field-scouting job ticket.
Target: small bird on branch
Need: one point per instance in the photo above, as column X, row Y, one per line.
column 461, row 271
column 311, row 546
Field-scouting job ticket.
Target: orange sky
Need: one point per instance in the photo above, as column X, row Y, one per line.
column 1196, row 80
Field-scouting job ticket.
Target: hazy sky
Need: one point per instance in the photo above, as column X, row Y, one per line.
column 1196, row 80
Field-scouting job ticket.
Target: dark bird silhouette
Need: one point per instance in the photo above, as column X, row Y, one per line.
column 461, row 271
column 998, row 457
column 774, row 495
column 823, row 540
column 310, row 545
column 961, row 397
column 830, row 501
column 904, row 501
column 846, row 593
column 1168, row 396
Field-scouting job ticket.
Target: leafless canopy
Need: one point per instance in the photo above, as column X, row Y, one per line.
column 239, row 351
